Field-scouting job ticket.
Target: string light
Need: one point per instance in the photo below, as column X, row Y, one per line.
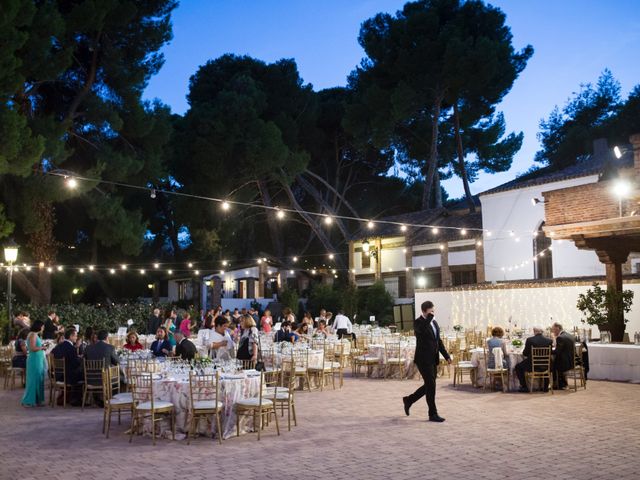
column 170, row 272
column 225, row 206
column 331, row 256
column 72, row 183
column 112, row 271
column 224, row 263
column 91, row 267
column 479, row 243
column 60, row 268
column 280, row 214
column 435, row 230
column 463, row 231
column 190, row 265
column 156, row 266
column 196, row 272
column 370, row 225
column 403, row 228
column 123, row 266
column 81, row 270
column 142, row 271
column 328, row 220
column 49, row 269
column 295, row 259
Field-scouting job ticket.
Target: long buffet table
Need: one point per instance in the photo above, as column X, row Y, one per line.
column 611, row 361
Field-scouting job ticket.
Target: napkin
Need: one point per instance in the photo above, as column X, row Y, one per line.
column 497, row 357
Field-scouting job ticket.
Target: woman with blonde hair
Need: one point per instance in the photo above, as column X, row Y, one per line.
column 248, row 345
column 133, row 343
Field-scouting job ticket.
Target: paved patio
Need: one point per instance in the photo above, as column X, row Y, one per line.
column 359, row 432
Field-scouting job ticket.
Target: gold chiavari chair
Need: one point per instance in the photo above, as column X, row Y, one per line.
column 205, row 403
column 10, row 372
column 58, row 379
column 326, row 367
column 260, row 407
column 145, row 406
column 284, row 396
column 491, row 374
column 113, row 403
column 342, row 353
column 577, row 370
column 93, row 382
column 541, row 367
column 393, row 359
column 364, row 359
column 300, row 361
column 461, row 367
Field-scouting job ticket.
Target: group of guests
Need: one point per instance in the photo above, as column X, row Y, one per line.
column 563, row 353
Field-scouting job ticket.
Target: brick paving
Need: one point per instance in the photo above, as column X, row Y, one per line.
column 359, row 432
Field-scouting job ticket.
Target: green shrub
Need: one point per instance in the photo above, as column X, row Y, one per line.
column 375, row 300
column 324, row 296
column 289, row 298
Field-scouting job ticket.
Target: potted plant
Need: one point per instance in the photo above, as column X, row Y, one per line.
column 606, row 309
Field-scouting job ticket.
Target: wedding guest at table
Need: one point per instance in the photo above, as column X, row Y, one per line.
column 161, row 347
column 236, row 316
column 564, row 354
column 329, row 318
column 72, row 363
column 221, row 342
column 303, row 330
column 89, row 338
column 321, row 316
column 51, row 326
column 22, row 320
column 285, row 334
column 266, row 322
column 537, row 341
column 154, row 321
column 185, row 325
column 101, row 350
column 133, row 344
column 248, row 345
column 36, row 366
column 185, row 349
column 342, row 325
column 59, row 338
column 288, row 315
column 429, row 346
column 322, row 329
column 256, row 317
column 209, row 321
column 496, row 341
column 19, row 359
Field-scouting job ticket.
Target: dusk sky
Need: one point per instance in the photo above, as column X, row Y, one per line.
column 574, row 40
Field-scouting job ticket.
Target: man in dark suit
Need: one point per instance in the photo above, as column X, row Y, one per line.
column 101, row 350
column 72, row 363
column 564, row 354
column 429, row 346
column 537, row 341
column 185, row 349
column 154, row 321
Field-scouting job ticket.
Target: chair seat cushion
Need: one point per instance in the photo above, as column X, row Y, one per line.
column 396, row 360
column 207, row 405
column 157, row 405
column 119, row 402
column 128, row 396
column 465, row 364
column 254, row 402
column 282, row 395
column 497, row 370
column 367, row 359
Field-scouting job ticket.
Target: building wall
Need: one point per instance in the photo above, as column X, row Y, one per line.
column 526, row 306
column 512, row 210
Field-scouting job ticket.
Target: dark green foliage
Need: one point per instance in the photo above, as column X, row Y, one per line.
column 324, row 296
column 376, row 301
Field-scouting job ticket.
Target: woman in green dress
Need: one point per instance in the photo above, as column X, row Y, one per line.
column 36, row 366
column 170, row 327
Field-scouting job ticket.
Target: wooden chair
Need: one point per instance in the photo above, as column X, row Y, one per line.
column 342, row 354
column 204, row 403
column 146, row 406
column 577, row 370
column 57, row 370
column 393, row 358
column 541, row 367
column 462, row 368
column 324, row 369
column 300, row 362
column 259, row 407
column 113, row 403
column 491, row 374
column 93, row 370
column 284, row 396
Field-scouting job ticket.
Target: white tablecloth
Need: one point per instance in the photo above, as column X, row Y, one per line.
column 514, row 357
column 614, row 362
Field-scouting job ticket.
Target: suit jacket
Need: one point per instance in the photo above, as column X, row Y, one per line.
column 152, row 324
column 50, row 329
column 428, row 343
column 72, row 362
column 102, row 351
column 536, row 341
column 565, row 351
column 158, row 345
column 186, row 350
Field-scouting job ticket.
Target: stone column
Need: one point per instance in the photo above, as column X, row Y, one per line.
column 480, row 261
column 444, row 265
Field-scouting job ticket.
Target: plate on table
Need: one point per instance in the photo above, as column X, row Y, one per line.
column 252, row 373
column 228, row 376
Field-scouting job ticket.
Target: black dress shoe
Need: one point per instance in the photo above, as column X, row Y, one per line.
column 436, row 418
column 523, row 390
column 407, row 405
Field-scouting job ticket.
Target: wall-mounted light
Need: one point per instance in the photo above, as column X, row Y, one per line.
column 535, row 201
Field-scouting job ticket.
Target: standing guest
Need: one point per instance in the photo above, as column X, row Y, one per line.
column 321, row 316
column 266, row 321
column 154, row 321
column 330, row 319
column 185, row 325
column 88, row 339
column 221, row 342
column 36, row 366
column 564, row 354
column 161, row 347
column 51, row 326
column 101, row 350
column 342, row 325
column 248, row 346
column 133, row 344
column 72, row 362
column 496, row 341
column 19, row 359
column 537, row 341
column 185, row 349
column 428, row 347
column 236, row 317
column 256, row 318
column 22, row 320
column 170, row 326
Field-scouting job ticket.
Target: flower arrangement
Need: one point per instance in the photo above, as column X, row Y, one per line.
column 458, row 328
column 516, row 342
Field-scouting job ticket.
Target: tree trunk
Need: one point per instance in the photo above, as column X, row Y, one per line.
column 321, row 201
column 433, row 152
column 335, row 192
column 272, row 221
column 437, row 191
column 461, row 165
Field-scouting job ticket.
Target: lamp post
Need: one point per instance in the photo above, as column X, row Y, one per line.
column 10, row 256
column 622, row 189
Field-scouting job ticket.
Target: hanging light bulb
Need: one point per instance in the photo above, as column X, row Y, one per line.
column 123, row 266
column 328, row 220
column 225, row 206
column 152, row 194
column 156, row 265
column 91, row 267
column 224, row 263
column 196, row 272
column 112, row 271
column 49, row 269
column 463, row 231
column 295, row 259
column 170, row 272
column 403, row 228
column 142, row 271
column 81, row 270
column 435, row 230
column 370, row 225
column 331, row 256
column 60, row 268
column 280, row 214
column 72, row 183
column 190, row 265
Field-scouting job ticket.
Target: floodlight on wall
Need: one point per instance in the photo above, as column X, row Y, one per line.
column 422, row 282
column 621, row 189
column 535, row 201
column 617, row 152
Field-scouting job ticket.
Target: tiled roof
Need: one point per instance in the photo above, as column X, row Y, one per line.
column 590, row 165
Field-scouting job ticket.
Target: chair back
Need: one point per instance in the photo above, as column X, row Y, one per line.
column 300, row 358
column 541, row 359
column 391, row 350
column 577, row 355
column 59, row 372
column 113, row 372
column 93, row 370
column 142, row 388
column 203, row 387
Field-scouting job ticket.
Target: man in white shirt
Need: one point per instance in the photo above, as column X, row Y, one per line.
column 342, row 325
column 221, row 342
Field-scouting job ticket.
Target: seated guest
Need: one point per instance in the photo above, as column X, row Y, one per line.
column 22, row 320
column 161, row 347
column 221, row 342
column 19, row 359
column 285, row 334
column 537, row 341
column 496, row 341
column 322, row 329
column 101, row 350
column 132, row 342
column 59, row 338
column 185, row 349
column 303, row 329
column 564, row 354
column 72, row 363
column 329, row 318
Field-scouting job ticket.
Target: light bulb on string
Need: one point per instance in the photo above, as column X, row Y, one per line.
column 170, row 272
column 190, row 265
column 225, row 206
column 71, row 182
column 156, row 265
column 295, row 259
column 280, row 214
column 112, row 271
column 331, row 256
column 91, row 267
column 142, row 271
column 49, row 269
column 81, row 270
column 196, row 272
column 328, row 220
column 60, row 268
column 435, row 230
column 403, row 228
column 123, row 266
column 463, row 231
column 370, row 225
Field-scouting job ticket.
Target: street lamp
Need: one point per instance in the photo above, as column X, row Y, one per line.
column 622, row 189
column 10, row 256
